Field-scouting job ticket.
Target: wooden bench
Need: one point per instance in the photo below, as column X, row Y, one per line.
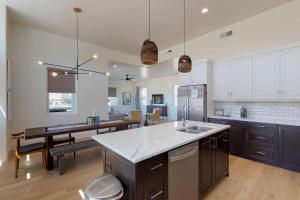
column 60, row 151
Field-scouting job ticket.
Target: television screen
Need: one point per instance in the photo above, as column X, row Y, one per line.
column 157, row 99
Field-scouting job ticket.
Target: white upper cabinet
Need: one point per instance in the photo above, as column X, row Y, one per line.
column 232, row 80
column 220, row 81
column 240, row 79
column 266, row 76
column 198, row 75
column 290, row 74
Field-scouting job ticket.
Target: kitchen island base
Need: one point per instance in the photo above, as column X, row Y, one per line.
column 148, row 179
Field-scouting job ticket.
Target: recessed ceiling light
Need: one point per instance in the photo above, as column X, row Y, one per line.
column 115, row 66
column 54, row 74
column 204, row 10
column 40, row 62
column 95, row 56
column 107, row 74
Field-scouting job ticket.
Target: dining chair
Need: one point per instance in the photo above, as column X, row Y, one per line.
column 64, row 140
column 155, row 116
column 26, row 149
column 136, row 115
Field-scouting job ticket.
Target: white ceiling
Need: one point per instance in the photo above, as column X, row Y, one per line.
column 165, row 68
column 122, row 24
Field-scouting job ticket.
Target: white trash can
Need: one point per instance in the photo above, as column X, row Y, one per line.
column 106, row 187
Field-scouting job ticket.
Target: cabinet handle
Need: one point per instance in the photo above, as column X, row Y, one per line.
column 215, row 145
column 260, row 126
column 156, row 166
column 261, row 153
column 279, row 131
column 259, row 137
column 157, row 194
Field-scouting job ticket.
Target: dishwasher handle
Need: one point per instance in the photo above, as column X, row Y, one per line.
column 183, row 156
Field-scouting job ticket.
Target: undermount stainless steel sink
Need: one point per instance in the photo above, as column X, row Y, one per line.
column 193, row 129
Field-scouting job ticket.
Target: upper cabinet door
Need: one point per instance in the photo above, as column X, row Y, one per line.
column 290, row 71
column 199, row 74
column 220, row 81
column 266, row 76
column 240, row 78
column 184, row 78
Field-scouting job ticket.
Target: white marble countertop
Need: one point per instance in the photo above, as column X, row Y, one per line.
column 270, row 121
column 142, row 143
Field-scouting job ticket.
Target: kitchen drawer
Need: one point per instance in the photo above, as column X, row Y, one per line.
column 264, row 128
column 263, row 153
column 153, row 167
column 218, row 121
column 261, row 138
column 155, row 191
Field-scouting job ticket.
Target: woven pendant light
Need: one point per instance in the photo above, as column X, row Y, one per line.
column 184, row 62
column 149, row 52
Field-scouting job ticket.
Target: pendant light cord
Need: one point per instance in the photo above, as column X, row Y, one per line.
column 184, row 28
column 77, row 39
column 149, row 19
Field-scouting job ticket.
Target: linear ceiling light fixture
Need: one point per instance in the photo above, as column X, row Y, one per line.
column 78, row 68
column 149, row 52
column 184, row 62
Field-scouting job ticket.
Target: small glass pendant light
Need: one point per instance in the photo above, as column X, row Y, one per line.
column 184, row 62
column 149, row 52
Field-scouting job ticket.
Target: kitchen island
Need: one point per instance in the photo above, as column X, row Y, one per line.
column 141, row 159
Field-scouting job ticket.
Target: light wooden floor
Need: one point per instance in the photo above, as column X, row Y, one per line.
column 247, row 180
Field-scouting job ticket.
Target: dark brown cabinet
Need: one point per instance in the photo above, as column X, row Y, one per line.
column 213, row 161
column 289, row 147
column 237, row 136
column 274, row 144
column 146, row 180
column 205, row 165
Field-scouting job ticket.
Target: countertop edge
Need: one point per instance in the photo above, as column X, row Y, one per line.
column 134, row 161
column 282, row 122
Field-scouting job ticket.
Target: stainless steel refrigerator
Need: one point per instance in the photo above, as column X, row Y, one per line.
column 192, row 102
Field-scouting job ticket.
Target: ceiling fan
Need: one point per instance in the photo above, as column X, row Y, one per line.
column 127, row 78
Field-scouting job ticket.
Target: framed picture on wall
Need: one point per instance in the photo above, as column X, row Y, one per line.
column 126, row 98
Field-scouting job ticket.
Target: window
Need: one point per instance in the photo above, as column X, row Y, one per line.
column 112, row 97
column 112, row 101
column 144, row 96
column 61, row 91
column 176, row 95
column 61, row 102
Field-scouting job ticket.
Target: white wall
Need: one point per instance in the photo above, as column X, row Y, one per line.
column 3, row 75
column 272, row 29
column 29, row 80
column 165, row 86
column 124, row 86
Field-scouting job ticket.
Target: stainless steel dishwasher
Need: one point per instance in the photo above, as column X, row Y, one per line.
column 183, row 169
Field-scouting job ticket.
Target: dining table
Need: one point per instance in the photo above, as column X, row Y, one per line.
column 48, row 132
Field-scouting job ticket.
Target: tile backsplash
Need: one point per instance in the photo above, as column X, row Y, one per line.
column 264, row 110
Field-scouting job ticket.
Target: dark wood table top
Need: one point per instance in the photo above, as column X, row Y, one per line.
column 40, row 132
